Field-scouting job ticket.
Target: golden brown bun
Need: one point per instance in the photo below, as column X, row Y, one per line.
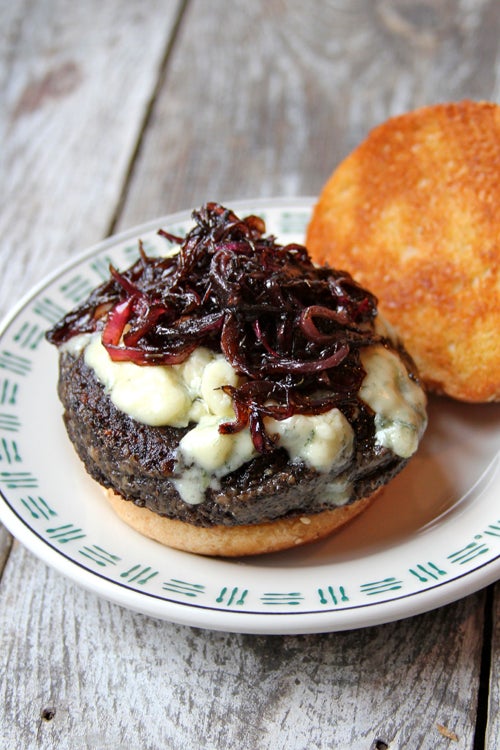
column 236, row 541
column 414, row 214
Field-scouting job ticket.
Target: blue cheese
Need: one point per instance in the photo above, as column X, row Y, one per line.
column 398, row 402
column 206, row 455
column 152, row 395
column 191, row 394
column 165, row 395
column 321, row 441
column 214, row 452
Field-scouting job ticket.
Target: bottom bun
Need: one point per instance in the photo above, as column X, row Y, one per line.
column 236, row 541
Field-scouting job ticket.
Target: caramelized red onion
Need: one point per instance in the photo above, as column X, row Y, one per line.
column 292, row 330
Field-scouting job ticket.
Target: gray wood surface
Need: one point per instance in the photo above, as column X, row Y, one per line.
column 493, row 687
column 77, row 83
column 119, row 111
column 265, row 98
column 116, row 679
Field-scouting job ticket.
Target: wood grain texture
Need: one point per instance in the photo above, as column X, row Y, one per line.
column 264, row 98
column 76, row 83
column 74, row 93
column 493, row 687
column 113, row 679
column 255, row 99
column 5, row 547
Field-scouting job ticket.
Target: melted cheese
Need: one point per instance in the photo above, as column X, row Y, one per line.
column 398, row 402
column 190, row 393
column 321, row 441
column 165, row 395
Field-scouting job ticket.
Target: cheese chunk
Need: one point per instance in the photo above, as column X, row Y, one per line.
column 191, row 394
column 398, row 402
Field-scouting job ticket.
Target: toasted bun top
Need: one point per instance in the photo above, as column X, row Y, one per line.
column 413, row 213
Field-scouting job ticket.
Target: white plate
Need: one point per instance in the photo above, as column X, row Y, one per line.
column 431, row 538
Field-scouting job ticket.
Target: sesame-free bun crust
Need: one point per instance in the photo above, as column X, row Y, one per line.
column 414, row 214
column 236, row 541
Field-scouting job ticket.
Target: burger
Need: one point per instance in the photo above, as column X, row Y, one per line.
column 231, row 397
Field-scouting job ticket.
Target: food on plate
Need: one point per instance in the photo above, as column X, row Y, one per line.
column 231, row 397
column 412, row 213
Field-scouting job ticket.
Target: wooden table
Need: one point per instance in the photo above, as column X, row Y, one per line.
column 115, row 112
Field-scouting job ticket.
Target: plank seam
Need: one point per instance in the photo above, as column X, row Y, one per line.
column 482, row 710
column 5, row 552
column 148, row 113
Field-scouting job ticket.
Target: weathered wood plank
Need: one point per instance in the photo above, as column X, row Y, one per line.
column 5, row 546
column 264, row 98
column 74, row 86
column 312, row 86
column 493, row 725
column 76, row 83
column 258, row 98
column 114, row 679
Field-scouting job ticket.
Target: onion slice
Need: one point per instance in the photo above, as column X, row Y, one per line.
column 291, row 330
